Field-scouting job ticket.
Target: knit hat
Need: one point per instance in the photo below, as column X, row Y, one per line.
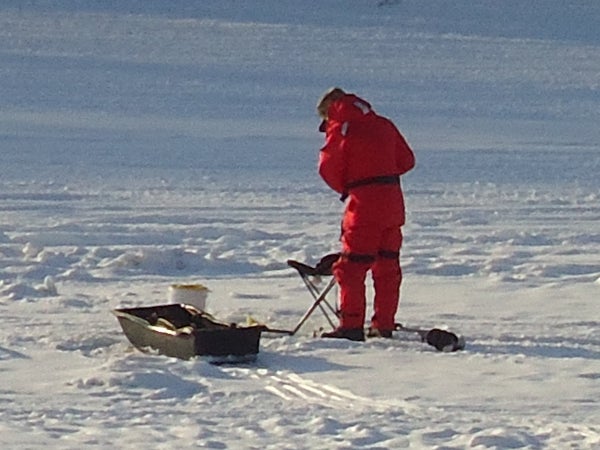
column 325, row 100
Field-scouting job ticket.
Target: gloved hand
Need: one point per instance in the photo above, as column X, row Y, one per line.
column 325, row 265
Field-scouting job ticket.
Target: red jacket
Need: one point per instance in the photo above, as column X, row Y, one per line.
column 360, row 148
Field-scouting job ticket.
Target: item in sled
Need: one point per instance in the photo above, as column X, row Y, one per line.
column 182, row 331
column 189, row 294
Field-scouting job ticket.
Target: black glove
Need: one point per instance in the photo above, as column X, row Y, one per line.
column 325, row 265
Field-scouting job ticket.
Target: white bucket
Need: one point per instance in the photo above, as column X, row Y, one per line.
column 190, row 294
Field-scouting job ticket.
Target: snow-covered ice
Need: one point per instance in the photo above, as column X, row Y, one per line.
column 146, row 143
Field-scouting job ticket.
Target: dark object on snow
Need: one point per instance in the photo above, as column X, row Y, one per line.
column 442, row 340
column 182, row 331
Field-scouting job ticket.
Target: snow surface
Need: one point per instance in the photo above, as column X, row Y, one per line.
column 146, row 143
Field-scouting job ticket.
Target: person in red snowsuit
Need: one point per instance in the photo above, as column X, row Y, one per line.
column 363, row 158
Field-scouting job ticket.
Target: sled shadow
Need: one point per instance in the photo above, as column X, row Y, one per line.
column 299, row 363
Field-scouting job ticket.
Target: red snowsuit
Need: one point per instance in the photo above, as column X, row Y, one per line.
column 363, row 158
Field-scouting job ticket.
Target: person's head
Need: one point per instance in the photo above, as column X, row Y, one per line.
column 326, row 99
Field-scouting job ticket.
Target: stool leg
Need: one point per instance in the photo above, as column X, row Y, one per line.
column 317, row 304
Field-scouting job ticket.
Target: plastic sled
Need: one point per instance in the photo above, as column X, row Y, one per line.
column 182, row 331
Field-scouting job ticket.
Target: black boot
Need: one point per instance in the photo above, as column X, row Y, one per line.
column 376, row 333
column 353, row 334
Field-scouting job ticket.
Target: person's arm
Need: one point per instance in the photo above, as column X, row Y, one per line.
column 405, row 158
column 331, row 159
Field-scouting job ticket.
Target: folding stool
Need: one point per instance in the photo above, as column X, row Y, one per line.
column 311, row 276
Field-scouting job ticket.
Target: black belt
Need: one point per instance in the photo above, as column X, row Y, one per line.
column 383, row 179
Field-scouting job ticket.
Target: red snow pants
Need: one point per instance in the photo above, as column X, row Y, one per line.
column 367, row 248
